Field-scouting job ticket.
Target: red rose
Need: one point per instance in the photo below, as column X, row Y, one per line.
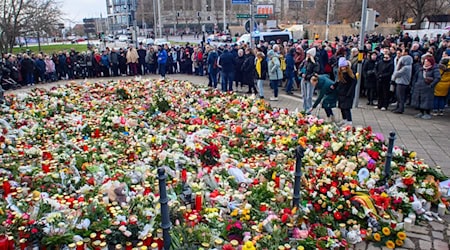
column 34, row 230
column 337, row 215
column 323, row 190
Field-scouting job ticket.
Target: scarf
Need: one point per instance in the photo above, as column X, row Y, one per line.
column 258, row 67
column 427, row 67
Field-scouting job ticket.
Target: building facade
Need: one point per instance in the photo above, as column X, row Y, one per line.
column 196, row 15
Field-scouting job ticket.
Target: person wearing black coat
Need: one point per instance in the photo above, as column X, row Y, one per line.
column 345, row 85
column 27, row 68
column 370, row 77
column 248, row 71
column 238, row 74
column 384, row 71
column 142, row 52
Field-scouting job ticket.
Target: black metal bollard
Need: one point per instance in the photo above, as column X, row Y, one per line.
column 299, row 153
column 163, row 200
column 387, row 165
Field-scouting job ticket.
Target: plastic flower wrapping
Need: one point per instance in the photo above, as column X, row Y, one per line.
column 79, row 170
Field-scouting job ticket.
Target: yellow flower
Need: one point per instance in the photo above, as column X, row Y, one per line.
column 234, row 213
column 386, row 231
column 401, row 235
column 300, row 248
column 399, row 242
column 376, row 236
column 412, row 155
column 390, row 244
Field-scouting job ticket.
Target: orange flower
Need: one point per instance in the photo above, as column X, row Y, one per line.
column 386, row 231
column 401, row 235
column 399, row 242
column 376, row 236
column 390, row 244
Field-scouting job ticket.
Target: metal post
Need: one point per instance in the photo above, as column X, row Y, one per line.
column 154, row 18
column 361, row 51
column 328, row 21
column 224, row 15
column 299, row 153
column 163, row 200
column 159, row 19
column 387, row 165
column 252, row 21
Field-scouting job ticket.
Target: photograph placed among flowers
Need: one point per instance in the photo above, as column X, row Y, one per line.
column 79, row 163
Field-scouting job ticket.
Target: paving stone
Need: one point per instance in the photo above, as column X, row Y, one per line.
column 420, row 229
column 360, row 246
column 424, row 244
column 437, row 226
column 437, row 235
column 440, row 245
column 448, row 232
column 409, row 244
column 371, row 246
column 418, row 236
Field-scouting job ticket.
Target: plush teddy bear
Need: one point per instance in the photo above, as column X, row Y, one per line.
column 354, row 235
column 117, row 192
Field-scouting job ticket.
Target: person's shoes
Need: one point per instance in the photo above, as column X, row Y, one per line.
column 341, row 123
column 397, row 112
column 290, row 93
column 274, row 98
column 383, row 109
column 376, row 107
column 434, row 113
column 261, row 97
column 441, row 113
column 426, row 117
column 248, row 92
column 332, row 119
column 419, row 115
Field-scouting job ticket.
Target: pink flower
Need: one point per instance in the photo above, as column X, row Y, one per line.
column 108, row 231
column 127, row 233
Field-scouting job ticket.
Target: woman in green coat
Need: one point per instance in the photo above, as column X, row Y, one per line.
column 328, row 94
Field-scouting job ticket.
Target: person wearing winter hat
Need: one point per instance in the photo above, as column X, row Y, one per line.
column 424, row 82
column 310, row 67
column 275, row 73
column 346, row 85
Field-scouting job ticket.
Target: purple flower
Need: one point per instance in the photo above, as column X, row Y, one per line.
column 379, row 136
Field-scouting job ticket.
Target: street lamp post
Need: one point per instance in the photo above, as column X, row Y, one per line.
column 159, row 18
column 224, row 15
column 328, row 21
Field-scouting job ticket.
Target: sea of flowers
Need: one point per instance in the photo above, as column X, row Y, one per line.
column 78, row 170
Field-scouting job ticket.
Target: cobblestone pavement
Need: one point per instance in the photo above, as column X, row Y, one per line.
column 429, row 138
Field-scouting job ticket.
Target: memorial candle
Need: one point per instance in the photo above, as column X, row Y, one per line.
column 198, row 201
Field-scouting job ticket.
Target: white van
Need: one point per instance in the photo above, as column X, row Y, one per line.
column 283, row 36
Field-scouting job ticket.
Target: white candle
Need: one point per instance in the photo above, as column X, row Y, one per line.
column 441, row 209
column 408, row 224
column 413, row 218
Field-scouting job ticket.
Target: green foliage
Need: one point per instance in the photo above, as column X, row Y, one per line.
column 259, row 194
column 50, row 49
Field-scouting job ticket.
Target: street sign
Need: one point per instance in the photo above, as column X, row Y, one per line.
column 261, row 16
column 242, row 15
column 247, row 26
column 240, row 1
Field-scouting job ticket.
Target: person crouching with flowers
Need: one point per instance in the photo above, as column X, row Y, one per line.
column 328, row 94
column 345, row 85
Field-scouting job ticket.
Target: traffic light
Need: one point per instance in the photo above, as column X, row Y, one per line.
column 371, row 22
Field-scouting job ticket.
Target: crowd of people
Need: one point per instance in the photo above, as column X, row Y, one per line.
column 395, row 69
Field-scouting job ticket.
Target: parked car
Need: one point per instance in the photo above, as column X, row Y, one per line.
column 161, row 41
column 123, row 38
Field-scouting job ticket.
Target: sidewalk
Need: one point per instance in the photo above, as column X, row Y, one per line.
column 429, row 138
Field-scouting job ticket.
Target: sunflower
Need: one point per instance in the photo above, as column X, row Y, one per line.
column 399, row 242
column 386, row 231
column 401, row 235
column 376, row 236
column 390, row 244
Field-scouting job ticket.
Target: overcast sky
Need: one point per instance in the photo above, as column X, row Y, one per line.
column 76, row 10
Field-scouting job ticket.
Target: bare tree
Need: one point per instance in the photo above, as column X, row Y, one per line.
column 44, row 21
column 10, row 22
column 24, row 18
